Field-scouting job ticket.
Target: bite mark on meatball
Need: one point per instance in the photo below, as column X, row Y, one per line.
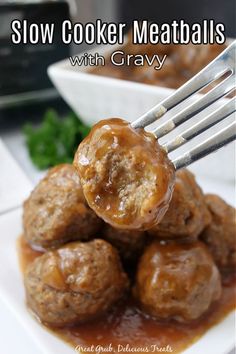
column 126, row 175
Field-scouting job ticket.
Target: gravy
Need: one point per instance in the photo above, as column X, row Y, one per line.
column 125, row 327
column 126, row 176
column 179, row 63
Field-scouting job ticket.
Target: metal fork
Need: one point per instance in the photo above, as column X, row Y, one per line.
column 223, row 64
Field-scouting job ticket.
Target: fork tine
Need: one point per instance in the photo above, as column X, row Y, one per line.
column 209, row 121
column 216, row 141
column 223, row 63
column 206, row 100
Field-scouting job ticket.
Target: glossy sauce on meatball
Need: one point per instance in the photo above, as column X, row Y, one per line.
column 75, row 283
column 220, row 235
column 56, row 211
column 187, row 215
column 126, row 176
column 129, row 243
column 177, row 281
column 126, row 324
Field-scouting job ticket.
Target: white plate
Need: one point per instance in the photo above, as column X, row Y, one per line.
column 17, row 188
column 218, row 340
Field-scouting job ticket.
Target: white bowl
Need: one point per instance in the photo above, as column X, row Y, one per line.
column 95, row 97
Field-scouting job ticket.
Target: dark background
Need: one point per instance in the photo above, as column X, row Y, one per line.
column 24, row 72
column 189, row 10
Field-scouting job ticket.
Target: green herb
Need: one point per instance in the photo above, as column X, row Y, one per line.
column 55, row 140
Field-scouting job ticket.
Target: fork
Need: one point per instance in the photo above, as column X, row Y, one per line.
column 224, row 64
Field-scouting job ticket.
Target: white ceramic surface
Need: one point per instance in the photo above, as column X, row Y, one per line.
column 14, row 185
column 218, row 340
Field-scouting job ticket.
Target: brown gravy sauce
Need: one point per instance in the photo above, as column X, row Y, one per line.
column 125, row 325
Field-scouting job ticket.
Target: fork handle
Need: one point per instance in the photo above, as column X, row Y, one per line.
column 215, row 142
column 214, row 70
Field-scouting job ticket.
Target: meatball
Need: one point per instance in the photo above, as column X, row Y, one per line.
column 187, row 215
column 220, row 235
column 57, row 212
column 186, row 59
column 127, row 178
column 177, row 281
column 75, row 283
column 129, row 243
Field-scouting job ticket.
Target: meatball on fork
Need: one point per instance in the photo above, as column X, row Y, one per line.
column 126, row 176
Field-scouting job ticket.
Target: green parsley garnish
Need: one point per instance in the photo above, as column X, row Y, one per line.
column 55, row 140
